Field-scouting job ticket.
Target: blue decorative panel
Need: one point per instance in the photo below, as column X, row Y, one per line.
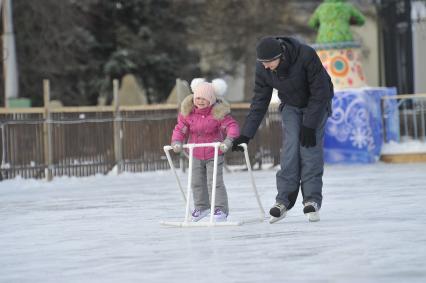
column 354, row 133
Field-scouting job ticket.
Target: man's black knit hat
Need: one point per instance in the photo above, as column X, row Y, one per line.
column 268, row 49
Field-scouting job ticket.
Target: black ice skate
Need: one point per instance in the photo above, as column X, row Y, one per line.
column 277, row 212
column 311, row 210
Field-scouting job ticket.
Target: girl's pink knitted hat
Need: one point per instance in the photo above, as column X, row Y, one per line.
column 207, row 90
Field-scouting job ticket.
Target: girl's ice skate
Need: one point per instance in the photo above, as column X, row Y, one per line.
column 219, row 215
column 198, row 214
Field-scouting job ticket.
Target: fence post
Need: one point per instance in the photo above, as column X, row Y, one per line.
column 117, row 128
column 47, row 131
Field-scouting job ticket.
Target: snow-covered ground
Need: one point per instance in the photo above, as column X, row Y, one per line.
column 407, row 146
column 106, row 229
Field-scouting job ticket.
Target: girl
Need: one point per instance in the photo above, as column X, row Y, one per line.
column 205, row 118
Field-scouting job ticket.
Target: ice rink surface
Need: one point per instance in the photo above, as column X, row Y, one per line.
column 106, row 229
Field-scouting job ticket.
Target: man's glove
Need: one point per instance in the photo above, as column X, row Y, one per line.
column 177, row 146
column 237, row 141
column 225, row 145
column 307, row 137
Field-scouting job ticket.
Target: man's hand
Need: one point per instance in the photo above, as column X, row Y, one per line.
column 177, row 146
column 237, row 141
column 307, row 137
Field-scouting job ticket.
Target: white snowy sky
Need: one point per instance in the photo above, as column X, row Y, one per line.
column 106, row 229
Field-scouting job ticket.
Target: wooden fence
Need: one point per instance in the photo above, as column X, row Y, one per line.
column 82, row 141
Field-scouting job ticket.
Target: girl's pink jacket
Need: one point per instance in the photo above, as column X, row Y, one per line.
column 211, row 124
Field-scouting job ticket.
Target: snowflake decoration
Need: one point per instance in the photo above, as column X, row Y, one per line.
column 359, row 137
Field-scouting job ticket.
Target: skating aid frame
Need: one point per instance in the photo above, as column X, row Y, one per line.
column 187, row 221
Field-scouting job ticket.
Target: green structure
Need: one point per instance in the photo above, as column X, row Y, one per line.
column 19, row 102
column 339, row 53
column 333, row 19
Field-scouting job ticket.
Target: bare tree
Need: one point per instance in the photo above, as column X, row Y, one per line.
column 227, row 32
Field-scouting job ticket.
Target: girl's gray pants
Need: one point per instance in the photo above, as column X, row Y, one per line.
column 300, row 166
column 202, row 179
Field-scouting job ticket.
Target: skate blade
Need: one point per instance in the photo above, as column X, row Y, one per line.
column 275, row 219
column 313, row 216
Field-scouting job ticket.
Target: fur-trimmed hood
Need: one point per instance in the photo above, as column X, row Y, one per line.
column 220, row 109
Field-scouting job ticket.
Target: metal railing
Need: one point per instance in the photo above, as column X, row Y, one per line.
column 406, row 115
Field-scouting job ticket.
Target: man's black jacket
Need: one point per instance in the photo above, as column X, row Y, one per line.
column 301, row 81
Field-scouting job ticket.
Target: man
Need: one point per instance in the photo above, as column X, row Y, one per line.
column 305, row 90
